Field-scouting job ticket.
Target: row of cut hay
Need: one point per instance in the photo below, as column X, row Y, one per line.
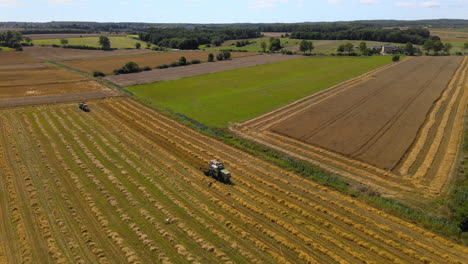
column 178, row 132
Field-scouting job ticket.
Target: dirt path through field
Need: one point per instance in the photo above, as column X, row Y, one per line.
column 193, row 70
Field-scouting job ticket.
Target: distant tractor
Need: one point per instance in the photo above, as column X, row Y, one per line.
column 83, row 106
column 217, row 171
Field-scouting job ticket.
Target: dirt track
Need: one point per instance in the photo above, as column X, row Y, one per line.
column 424, row 170
column 97, row 187
column 60, row 54
column 385, row 111
column 193, row 70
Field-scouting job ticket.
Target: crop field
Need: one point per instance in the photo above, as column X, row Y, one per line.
column 451, row 35
column 121, row 185
column 116, row 42
column 15, row 57
column 67, row 36
column 108, row 65
column 245, row 93
column 195, row 69
column 40, row 79
column 403, row 125
column 61, row 54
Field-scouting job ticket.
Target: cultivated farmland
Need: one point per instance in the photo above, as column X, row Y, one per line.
column 16, row 57
column 245, row 93
column 195, row 69
column 121, row 185
column 402, row 124
column 61, row 54
column 107, row 65
column 116, row 42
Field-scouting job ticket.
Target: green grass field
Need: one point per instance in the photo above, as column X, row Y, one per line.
column 116, row 42
column 232, row 96
column 6, row 49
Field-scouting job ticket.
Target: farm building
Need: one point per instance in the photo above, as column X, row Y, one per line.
column 385, row 49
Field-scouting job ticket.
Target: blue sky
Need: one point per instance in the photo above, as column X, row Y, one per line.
column 220, row 11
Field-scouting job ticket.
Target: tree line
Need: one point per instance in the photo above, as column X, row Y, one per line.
column 183, row 38
column 11, row 39
column 396, row 35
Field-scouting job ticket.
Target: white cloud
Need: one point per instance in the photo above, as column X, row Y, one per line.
column 403, row 4
column 369, row 2
column 430, row 4
column 262, row 4
column 10, row 3
column 420, row 4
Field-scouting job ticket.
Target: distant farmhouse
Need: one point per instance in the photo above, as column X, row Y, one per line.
column 385, row 49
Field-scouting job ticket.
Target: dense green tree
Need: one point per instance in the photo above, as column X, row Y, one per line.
column 341, row 48
column 304, row 46
column 465, row 46
column 348, row 47
column 182, row 61
column 210, row 57
column 138, row 45
column 409, row 48
column 428, row 45
column 396, row 58
column 447, row 47
column 363, row 47
column 148, row 45
column 104, row 42
column 64, row 41
column 263, row 45
column 226, row 54
column 438, row 46
column 275, row 44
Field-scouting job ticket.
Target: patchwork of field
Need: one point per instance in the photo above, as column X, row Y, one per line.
column 121, row 185
column 195, row 69
column 241, row 94
column 67, row 36
column 116, row 42
column 403, row 125
column 255, row 45
column 20, row 80
column 451, row 35
column 108, row 65
column 61, row 54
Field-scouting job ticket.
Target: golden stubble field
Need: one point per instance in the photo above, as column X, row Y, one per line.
column 121, row 185
column 397, row 129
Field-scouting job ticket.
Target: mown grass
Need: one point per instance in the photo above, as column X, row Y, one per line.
column 116, row 42
column 233, row 96
column 6, row 49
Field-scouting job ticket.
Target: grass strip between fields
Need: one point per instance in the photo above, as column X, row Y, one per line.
column 116, row 42
column 221, row 98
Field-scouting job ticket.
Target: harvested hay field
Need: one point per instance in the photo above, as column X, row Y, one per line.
column 16, row 57
column 107, row 65
column 61, row 54
column 396, row 129
column 121, row 185
column 194, row 70
column 21, row 80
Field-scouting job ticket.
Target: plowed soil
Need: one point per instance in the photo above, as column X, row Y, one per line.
column 60, row 54
column 407, row 117
column 121, row 184
column 194, row 70
column 15, row 57
column 387, row 110
column 108, row 65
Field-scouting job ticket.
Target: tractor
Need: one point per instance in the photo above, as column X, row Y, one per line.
column 217, row 171
column 83, row 106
